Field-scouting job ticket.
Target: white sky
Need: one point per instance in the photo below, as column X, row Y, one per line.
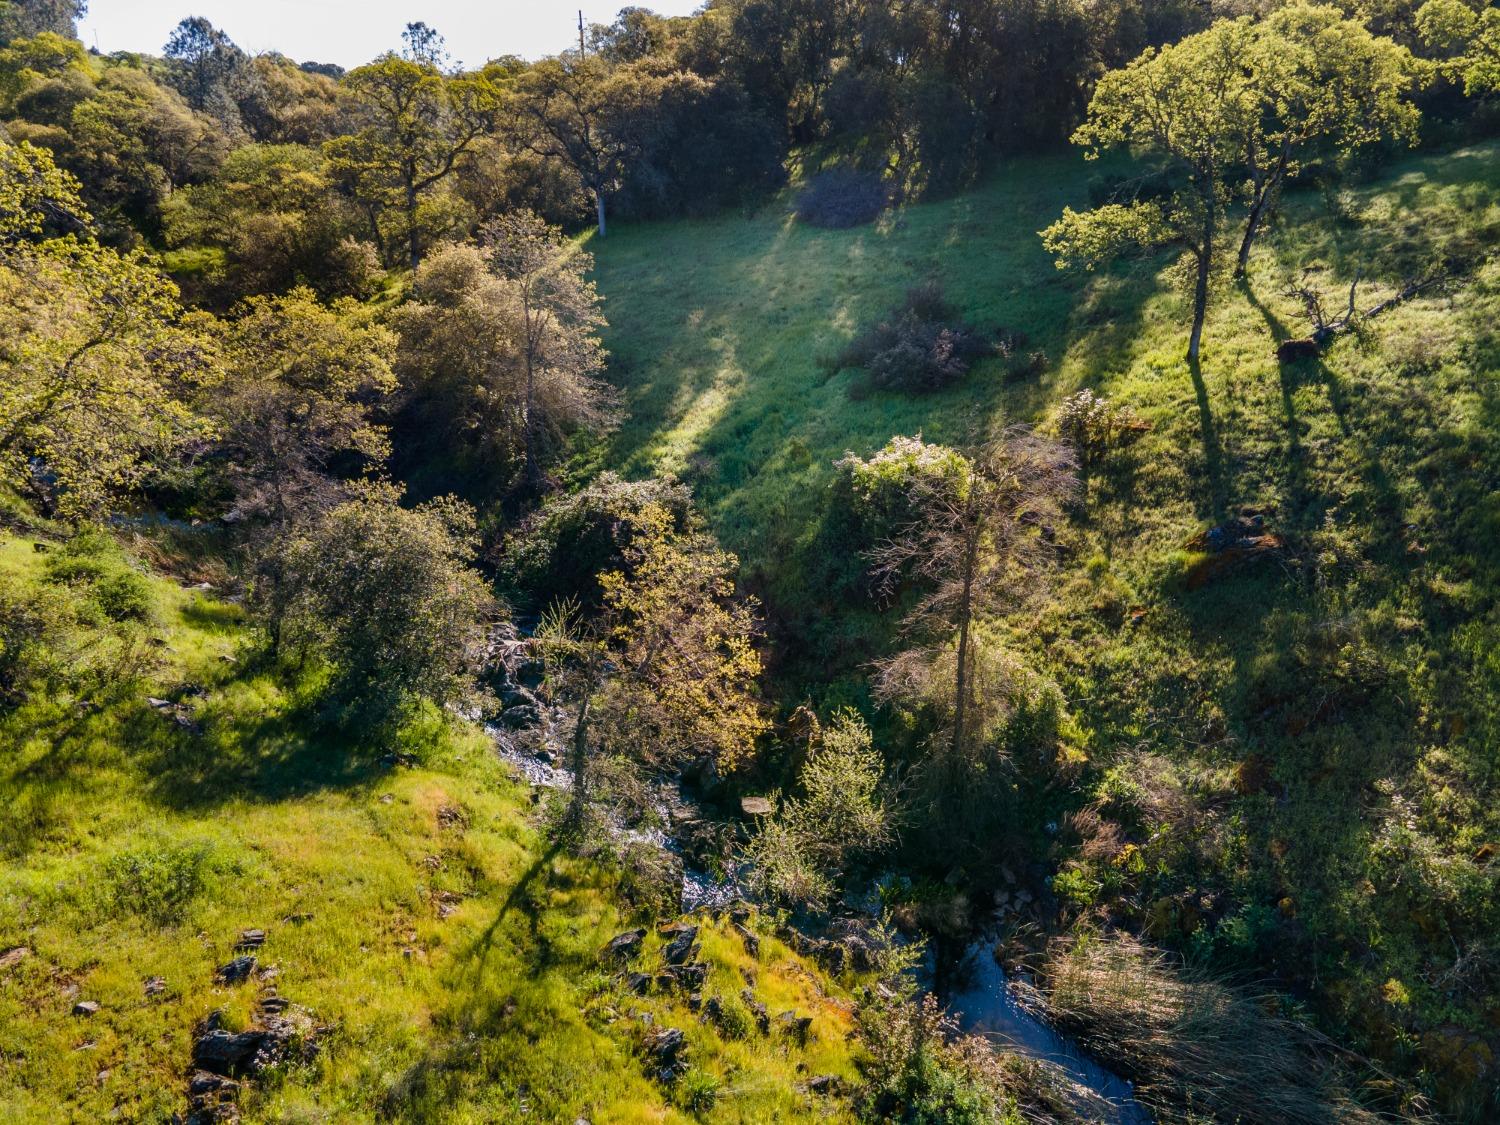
column 351, row 32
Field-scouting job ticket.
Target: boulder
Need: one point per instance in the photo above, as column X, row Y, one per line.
column 227, row 1053
column 622, row 947
column 752, row 943
column 664, row 1047
column 681, row 948
column 235, row 971
column 86, row 1008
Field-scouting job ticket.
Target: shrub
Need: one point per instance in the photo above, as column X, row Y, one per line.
column 387, row 596
column 843, row 197
column 877, row 491
column 574, row 538
column 842, row 813
column 158, row 880
column 93, row 563
column 31, row 624
column 919, row 1071
column 919, row 346
column 1093, row 426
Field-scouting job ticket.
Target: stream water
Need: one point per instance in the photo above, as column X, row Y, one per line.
column 980, row 997
column 977, row 993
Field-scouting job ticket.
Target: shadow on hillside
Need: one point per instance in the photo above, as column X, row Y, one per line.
column 267, row 757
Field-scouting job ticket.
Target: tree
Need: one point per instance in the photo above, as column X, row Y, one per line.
column 972, row 548
column 387, row 596
column 586, row 116
column 559, row 349
column 1189, row 106
column 1471, row 39
column 210, row 71
column 1322, row 82
column 413, row 126
column 682, row 644
column 96, row 362
column 21, row 19
column 35, row 194
column 302, row 383
column 664, row 667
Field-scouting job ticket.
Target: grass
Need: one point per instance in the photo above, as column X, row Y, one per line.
column 133, row 849
column 1302, row 754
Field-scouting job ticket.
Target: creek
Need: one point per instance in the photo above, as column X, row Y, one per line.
column 973, row 988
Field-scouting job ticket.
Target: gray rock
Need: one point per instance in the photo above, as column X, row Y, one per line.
column 86, row 1008
column 235, row 971
column 624, row 946
column 681, row 948
column 227, row 1053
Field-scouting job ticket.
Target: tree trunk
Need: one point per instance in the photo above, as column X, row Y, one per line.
column 1200, row 289
column 599, row 207
column 1252, row 228
column 411, row 225
column 966, row 615
column 533, row 462
column 578, row 802
column 1264, row 192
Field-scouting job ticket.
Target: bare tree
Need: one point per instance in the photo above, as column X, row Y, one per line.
column 973, row 547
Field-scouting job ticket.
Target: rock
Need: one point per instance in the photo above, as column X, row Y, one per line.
column 691, row 976
column 624, row 946
column 638, row 983
column 250, row 939
column 756, row 806
column 826, row 1084
column 155, row 986
column 681, row 948
column 86, row 1008
column 752, row 943
column 235, row 971
column 520, row 717
column 794, row 1025
column 664, row 1047
column 227, row 1053
column 1293, row 351
column 13, row 957
column 757, row 1011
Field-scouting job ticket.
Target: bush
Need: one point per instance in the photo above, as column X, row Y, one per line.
column 386, row 595
column 158, row 880
column 30, row 631
column 843, row 812
column 876, row 492
column 920, row 346
column 1093, row 426
column 841, row 198
column 574, row 538
column 92, row 563
column 919, row 1072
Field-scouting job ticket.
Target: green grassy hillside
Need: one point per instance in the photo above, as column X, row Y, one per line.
column 1295, row 764
column 443, row 959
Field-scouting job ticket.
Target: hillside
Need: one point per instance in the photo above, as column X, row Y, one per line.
column 441, row 961
column 1298, row 752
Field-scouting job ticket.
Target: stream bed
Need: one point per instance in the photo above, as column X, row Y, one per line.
column 981, row 999
column 977, row 995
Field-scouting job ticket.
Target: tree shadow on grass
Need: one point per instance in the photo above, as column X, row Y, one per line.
column 286, row 753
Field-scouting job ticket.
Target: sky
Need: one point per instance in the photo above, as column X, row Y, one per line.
column 351, row 32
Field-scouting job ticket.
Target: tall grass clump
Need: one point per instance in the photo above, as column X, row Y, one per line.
column 1196, row 1048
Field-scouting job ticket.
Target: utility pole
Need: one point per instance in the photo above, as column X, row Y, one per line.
column 580, row 35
